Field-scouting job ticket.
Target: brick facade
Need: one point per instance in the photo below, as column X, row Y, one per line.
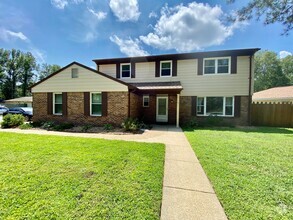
column 117, row 109
column 185, row 112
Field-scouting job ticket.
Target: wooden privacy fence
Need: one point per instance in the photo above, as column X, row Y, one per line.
column 272, row 114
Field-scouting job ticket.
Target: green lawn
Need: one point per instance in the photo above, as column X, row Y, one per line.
column 251, row 169
column 52, row 177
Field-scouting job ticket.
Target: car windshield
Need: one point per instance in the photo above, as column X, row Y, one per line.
column 27, row 109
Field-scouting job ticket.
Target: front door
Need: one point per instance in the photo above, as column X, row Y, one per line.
column 162, row 109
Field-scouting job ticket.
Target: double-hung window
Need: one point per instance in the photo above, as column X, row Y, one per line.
column 96, row 104
column 166, row 68
column 217, row 65
column 125, row 69
column 215, row 106
column 74, row 73
column 146, row 100
column 57, row 104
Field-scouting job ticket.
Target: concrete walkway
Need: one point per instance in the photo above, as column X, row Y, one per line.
column 187, row 192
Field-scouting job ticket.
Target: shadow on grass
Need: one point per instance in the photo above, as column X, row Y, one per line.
column 247, row 129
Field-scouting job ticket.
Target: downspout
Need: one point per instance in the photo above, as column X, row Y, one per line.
column 249, row 91
column 128, row 103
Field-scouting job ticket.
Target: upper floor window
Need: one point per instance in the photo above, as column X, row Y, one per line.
column 166, row 68
column 125, row 70
column 217, row 65
column 57, row 104
column 96, row 104
column 216, row 106
column 74, row 73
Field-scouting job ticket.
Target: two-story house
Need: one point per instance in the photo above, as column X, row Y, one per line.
column 169, row 88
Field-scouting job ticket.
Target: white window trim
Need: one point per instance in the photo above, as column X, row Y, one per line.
column 224, row 106
column 146, row 96
column 124, row 64
column 95, row 103
column 166, row 61
column 57, row 93
column 216, row 66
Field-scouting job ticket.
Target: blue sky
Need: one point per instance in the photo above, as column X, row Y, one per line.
column 62, row 31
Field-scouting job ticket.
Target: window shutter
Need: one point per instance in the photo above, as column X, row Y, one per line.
column 132, row 69
column 237, row 106
column 64, row 103
column 199, row 66
column 193, row 105
column 118, row 70
column 174, row 68
column 86, row 103
column 233, row 64
column 157, row 69
column 50, row 103
column 104, row 103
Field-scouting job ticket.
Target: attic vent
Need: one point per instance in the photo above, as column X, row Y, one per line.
column 74, row 73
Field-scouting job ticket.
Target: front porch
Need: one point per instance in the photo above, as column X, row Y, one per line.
column 156, row 103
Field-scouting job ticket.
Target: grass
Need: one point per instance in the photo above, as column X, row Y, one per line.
column 251, row 169
column 52, row 177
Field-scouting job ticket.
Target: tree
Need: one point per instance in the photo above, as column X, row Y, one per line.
column 268, row 71
column 46, row 69
column 25, row 78
column 287, row 67
column 272, row 10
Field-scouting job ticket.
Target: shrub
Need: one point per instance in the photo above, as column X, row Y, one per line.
column 130, row 124
column 62, row 126
column 192, row 123
column 85, row 128
column 108, row 127
column 26, row 126
column 12, row 121
column 213, row 121
column 48, row 125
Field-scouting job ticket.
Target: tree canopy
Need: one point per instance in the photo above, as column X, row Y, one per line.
column 18, row 71
column 271, row 71
column 272, row 10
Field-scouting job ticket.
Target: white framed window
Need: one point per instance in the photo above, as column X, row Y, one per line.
column 125, row 70
column 215, row 106
column 57, row 103
column 146, row 101
column 96, row 104
column 219, row 65
column 74, row 73
column 166, row 68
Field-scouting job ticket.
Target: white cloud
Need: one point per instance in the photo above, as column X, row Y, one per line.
column 153, row 15
column 125, row 10
column 99, row 15
column 61, row 4
column 38, row 54
column 129, row 47
column 8, row 35
column 191, row 27
column 284, row 53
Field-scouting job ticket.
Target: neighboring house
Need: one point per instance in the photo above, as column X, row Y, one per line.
column 274, row 95
column 171, row 88
column 19, row 102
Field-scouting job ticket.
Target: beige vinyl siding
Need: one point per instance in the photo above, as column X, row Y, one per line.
column 109, row 69
column 87, row 81
column 193, row 84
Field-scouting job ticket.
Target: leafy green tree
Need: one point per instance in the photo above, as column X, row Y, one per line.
column 287, row 67
column 272, row 10
column 45, row 70
column 268, row 71
column 28, row 67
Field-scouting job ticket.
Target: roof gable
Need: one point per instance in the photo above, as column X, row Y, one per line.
column 88, row 80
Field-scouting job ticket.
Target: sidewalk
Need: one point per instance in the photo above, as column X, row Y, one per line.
column 187, row 192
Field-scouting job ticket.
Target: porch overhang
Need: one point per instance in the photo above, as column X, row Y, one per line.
column 158, row 87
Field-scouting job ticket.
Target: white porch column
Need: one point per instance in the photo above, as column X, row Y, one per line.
column 177, row 110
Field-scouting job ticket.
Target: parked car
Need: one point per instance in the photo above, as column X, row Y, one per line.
column 27, row 112
column 3, row 110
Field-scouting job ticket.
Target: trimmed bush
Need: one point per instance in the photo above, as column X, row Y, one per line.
column 130, row 124
column 26, row 126
column 108, row 127
column 12, row 121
